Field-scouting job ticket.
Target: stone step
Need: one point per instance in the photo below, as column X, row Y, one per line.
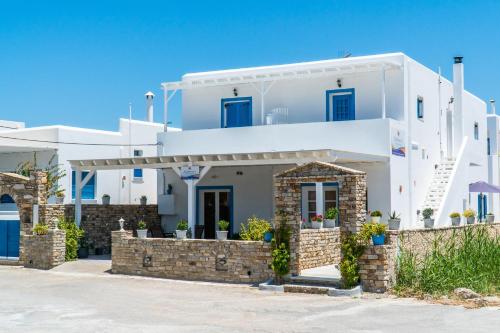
column 306, row 289
column 315, row 281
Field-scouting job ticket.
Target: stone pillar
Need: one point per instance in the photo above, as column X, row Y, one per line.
column 377, row 268
column 43, row 251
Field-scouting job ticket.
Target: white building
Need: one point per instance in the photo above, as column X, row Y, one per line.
column 421, row 139
column 59, row 144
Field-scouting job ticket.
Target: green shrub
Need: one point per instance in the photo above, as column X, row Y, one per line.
column 454, row 215
column 73, row 236
column 255, row 229
column 141, row 225
column 427, row 213
column 370, row 229
column 332, row 213
column 41, row 229
column 376, row 213
column 182, row 225
column 469, row 258
column 223, row 225
column 352, row 247
column 280, row 265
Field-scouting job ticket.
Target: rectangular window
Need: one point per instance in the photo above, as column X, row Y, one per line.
column 420, row 107
column 137, row 172
column 330, row 199
column 88, row 191
column 476, row 131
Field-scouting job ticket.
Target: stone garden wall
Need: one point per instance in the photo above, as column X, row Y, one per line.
column 191, row 259
column 99, row 220
column 288, row 199
column 43, row 251
column 318, row 247
column 377, row 268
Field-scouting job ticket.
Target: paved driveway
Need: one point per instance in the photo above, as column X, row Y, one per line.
column 69, row 300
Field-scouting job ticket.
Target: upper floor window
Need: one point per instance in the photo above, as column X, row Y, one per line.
column 88, row 191
column 236, row 112
column 137, row 172
column 476, row 131
column 420, row 107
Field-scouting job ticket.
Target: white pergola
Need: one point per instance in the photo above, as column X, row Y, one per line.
column 176, row 162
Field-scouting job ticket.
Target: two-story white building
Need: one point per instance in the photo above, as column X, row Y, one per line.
column 421, row 139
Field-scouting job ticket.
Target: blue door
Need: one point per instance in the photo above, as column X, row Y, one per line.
column 340, row 105
column 236, row 112
column 9, row 238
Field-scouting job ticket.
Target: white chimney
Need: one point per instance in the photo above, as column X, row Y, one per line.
column 458, row 92
column 149, row 106
column 493, row 109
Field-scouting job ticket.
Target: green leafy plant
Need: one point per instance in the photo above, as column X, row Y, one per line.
column 454, row 215
column 143, row 197
column 317, row 218
column 41, row 229
column 281, row 258
column 393, row 215
column 352, row 247
column 427, row 213
column 281, row 248
column 223, row 225
column 53, row 171
column 141, row 225
column 469, row 258
column 469, row 213
column 182, row 225
column 332, row 213
column 376, row 213
column 255, row 229
column 73, row 236
column 370, row 229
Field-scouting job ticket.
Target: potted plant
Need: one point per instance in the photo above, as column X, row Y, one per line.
column 142, row 229
column 455, row 218
column 144, row 200
column 268, row 236
column 428, row 220
column 375, row 231
column 376, row 215
column 394, row 221
column 317, row 222
column 222, row 232
column 106, row 199
column 490, row 218
column 40, row 229
column 60, row 197
column 331, row 217
column 470, row 216
column 181, row 231
column 83, row 248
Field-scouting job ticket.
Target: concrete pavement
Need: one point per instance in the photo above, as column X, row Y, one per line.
column 69, row 300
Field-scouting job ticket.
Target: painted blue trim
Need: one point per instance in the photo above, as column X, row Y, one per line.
column 353, row 99
column 231, row 202
column 234, row 99
column 333, row 184
column 89, row 190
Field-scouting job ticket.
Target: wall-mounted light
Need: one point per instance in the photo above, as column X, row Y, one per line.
column 339, row 83
column 239, row 173
column 235, row 92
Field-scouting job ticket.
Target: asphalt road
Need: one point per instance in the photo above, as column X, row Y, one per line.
column 72, row 300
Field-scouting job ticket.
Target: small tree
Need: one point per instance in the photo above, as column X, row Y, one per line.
column 54, row 173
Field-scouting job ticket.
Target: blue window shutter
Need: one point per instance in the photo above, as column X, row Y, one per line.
column 137, row 173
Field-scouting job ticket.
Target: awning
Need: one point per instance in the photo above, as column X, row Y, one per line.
column 483, row 187
column 160, row 162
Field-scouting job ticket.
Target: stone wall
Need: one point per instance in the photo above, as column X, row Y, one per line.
column 191, row 259
column 43, row 251
column 98, row 220
column 377, row 268
column 288, row 199
column 318, row 247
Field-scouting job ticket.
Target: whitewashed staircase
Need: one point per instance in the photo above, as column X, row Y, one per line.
column 437, row 188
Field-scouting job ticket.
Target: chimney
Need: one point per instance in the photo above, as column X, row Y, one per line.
column 458, row 92
column 493, row 109
column 149, row 106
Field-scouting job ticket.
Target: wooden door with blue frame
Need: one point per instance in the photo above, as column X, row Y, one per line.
column 236, row 112
column 340, row 105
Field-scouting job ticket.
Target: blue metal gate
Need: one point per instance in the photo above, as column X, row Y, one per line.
column 9, row 238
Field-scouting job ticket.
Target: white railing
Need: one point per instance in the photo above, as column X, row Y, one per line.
column 277, row 116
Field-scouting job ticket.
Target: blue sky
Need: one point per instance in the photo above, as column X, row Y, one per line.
column 80, row 63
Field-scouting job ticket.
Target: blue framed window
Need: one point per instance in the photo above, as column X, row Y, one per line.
column 88, row 191
column 137, row 172
column 420, row 107
column 236, row 112
column 476, row 131
column 340, row 104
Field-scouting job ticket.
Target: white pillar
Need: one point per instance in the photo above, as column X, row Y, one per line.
column 319, row 199
column 191, row 187
column 165, row 109
column 262, row 94
column 78, row 196
column 382, row 92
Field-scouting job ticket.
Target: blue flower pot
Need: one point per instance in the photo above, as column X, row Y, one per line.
column 378, row 239
column 268, row 237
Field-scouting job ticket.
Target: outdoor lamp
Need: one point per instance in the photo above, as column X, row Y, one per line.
column 121, row 221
